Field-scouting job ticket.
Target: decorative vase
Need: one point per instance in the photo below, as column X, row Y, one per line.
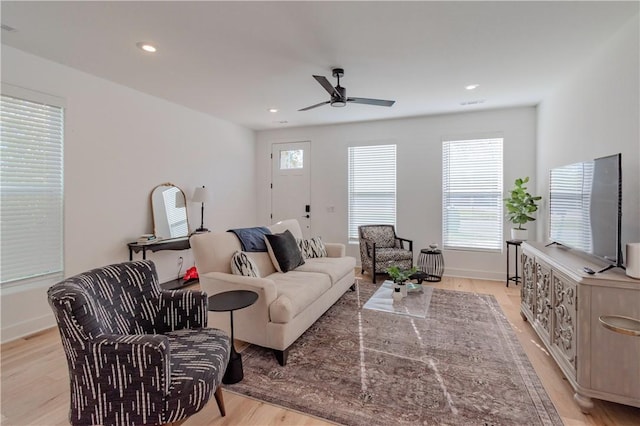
column 519, row 234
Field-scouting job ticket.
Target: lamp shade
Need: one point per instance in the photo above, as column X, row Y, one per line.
column 200, row 195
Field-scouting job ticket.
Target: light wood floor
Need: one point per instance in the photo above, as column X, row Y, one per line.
column 35, row 383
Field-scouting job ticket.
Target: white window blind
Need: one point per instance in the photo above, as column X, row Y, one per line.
column 31, row 188
column 472, row 194
column 372, row 186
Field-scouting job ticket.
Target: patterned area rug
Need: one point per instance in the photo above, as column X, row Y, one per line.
column 461, row 365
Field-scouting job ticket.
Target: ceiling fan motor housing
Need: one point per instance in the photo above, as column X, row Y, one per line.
column 339, row 101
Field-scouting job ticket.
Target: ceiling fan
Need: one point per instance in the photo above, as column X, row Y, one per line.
column 339, row 94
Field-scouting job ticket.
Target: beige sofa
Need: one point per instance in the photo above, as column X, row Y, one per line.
column 288, row 303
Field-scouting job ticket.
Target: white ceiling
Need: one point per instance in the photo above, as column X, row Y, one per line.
column 235, row 60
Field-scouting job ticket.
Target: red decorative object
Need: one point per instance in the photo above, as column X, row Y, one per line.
column 191, row 274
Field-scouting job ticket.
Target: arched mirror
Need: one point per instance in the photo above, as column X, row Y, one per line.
column 169, row 207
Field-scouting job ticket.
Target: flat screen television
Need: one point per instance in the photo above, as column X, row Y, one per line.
column 585, row 207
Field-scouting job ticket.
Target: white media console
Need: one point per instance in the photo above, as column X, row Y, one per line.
column 564, row 305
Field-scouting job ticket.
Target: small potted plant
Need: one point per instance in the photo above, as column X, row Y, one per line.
column 400, row 277
column 520, row 206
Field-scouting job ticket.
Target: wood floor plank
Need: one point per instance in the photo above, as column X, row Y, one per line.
column 35, row 382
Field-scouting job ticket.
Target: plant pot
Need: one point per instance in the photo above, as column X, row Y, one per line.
column 396, row 295
column 519, row 234
column 403, row 290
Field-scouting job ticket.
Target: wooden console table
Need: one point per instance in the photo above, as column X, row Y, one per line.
column 571, row 311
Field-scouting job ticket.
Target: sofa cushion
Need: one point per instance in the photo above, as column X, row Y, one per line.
column 284, row 251
column 263, row 262
column 334, row 267
column 300, row 288
column 312, row 248
column 241, row 264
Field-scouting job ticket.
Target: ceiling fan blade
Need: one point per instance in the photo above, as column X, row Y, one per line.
column 314, row 106
column 378, row 102
column 327, row 86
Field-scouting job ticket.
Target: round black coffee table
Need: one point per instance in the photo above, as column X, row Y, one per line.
column 232, row 301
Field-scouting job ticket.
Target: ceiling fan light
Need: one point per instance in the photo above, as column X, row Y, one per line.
column 338, row 103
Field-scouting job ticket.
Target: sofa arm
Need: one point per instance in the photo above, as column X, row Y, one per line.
column 137, row 357
column 335, row 249
column 249, row 323
column 181, row 309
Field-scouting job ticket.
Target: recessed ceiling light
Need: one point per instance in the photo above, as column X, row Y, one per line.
column 273, row 109
column 146, row 46
column 471, row 86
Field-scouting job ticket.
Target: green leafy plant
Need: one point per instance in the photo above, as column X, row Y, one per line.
column 398, row 275
column 520, row 205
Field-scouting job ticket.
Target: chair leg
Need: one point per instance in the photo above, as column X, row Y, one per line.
column 374, row 276
column 220, row 401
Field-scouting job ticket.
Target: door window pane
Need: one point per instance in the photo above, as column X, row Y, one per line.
column 291, row 159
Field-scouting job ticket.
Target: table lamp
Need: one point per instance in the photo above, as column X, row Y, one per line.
column 201, row 195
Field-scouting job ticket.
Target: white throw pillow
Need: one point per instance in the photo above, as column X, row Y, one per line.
column 241, row 264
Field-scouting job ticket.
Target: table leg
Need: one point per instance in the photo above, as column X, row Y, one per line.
column 507, row 264
column 233, row 373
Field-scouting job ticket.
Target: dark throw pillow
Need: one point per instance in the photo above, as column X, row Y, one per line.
column 284, row 251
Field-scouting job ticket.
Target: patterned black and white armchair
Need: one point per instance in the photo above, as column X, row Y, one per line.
column 381, row 248
column 137, row 355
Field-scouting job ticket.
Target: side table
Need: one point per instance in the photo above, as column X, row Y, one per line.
column 431, row 263
column 517, row 244
column 232, row 301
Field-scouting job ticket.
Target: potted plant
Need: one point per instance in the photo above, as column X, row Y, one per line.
column 400, row 277
column 520, row 205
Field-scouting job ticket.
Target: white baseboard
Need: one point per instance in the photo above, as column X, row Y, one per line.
column 475, row 274
column 26, row 328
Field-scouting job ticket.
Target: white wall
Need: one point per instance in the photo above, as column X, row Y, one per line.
column 120, row 143
column 419, row 174
column 594, row 114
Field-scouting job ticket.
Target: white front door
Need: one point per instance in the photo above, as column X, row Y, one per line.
column 291, row 184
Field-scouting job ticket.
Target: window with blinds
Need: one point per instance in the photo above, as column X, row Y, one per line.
column 472, row 194
column 31, row 188
column 372, row 187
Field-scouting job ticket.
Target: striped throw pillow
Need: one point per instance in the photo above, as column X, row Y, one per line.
column 313, row 247
column 241, row 264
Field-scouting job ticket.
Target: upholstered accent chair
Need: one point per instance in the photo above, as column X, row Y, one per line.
column 137, row 355
column 381, row 248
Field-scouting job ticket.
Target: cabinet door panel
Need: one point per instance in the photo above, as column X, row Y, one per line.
column 527, row 292
column 543, row 299
column 615, row 358
column 565, row 299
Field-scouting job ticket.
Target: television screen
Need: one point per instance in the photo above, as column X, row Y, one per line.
column 585, row 207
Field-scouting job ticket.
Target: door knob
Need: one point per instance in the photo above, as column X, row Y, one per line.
column 307, row 216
